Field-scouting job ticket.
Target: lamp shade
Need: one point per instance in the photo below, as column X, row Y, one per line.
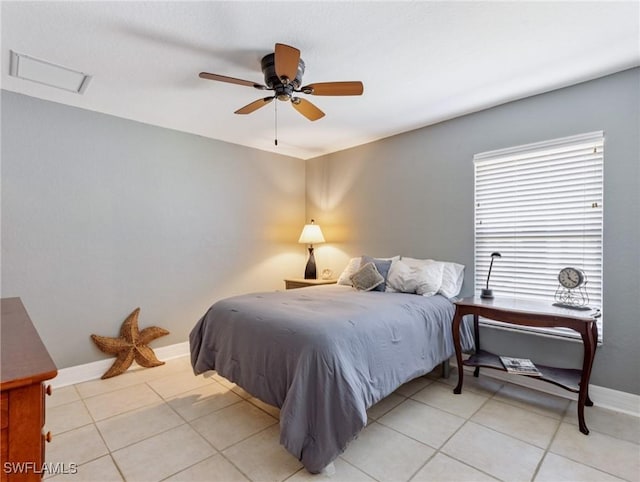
column 311, row 234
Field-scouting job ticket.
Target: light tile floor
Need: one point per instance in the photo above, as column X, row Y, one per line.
column 165, row 423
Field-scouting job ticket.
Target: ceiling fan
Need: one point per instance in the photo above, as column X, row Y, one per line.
column 283, row 72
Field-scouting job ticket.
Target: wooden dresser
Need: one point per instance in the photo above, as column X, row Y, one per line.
column 25, row 365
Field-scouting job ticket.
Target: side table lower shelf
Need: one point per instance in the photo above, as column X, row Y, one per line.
column 567, row 378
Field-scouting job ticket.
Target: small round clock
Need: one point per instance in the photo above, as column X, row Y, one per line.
column 571, row 278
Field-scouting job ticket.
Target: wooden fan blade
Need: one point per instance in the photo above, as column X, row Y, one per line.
column 334, row 88
column 307, row 109
column 255, row 105
column 231, row 80
column 287, row 59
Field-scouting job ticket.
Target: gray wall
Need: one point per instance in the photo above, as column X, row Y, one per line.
column 101, row 215
column 412, row 194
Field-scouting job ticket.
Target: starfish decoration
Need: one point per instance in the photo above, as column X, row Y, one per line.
column 130, row 346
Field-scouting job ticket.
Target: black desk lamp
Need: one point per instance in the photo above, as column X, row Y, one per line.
column 486, row 292
column 311, row 234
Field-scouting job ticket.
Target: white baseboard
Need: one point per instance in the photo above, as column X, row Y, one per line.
column 624, row 402
column 94, row 370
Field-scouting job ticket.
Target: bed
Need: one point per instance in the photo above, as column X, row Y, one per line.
column 323, row 355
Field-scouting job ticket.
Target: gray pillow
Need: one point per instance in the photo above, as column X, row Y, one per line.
column 367, row 278
column 382, row 265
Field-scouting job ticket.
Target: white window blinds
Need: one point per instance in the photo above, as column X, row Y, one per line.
column 540, row 206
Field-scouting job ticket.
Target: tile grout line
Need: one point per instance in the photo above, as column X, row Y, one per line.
column 163, row 402
column 221, row 452
column 110, row 452
column 436, row 450
column 466, row 420
column 95, row 426
column 585, row 463
column 362, row 469
column 546, row 450
column 356, row 467
column 551, row 439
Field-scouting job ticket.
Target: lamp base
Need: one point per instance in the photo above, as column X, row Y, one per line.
column 487, row 294
column 310, row 269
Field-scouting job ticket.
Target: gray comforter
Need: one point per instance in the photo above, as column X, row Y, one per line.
column 323, row 355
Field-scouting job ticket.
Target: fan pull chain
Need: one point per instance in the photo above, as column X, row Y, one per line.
column 276, row 123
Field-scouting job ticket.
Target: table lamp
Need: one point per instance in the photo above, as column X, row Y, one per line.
column 311, row 234
column 486, row 292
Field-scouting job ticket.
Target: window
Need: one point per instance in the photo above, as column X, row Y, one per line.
column 540, row 206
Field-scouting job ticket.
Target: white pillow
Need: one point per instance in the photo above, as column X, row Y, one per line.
column 349, row 271
column 452, row 278
column 429, row 278
column 423, row 278
column 452, row 275
column 401, row 278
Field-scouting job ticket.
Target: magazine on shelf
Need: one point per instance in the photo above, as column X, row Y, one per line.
column 520, row 366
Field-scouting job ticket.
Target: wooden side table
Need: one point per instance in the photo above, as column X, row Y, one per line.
column 538, row 314
column 293, row 283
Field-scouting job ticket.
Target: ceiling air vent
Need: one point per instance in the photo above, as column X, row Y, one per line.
column 42, row 72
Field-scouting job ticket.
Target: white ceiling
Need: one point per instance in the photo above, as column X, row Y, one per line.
column 420, row 62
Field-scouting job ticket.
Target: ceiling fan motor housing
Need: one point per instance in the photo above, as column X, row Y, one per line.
column 271, row 79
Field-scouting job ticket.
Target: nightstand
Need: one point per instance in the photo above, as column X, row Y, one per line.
column 293, row 283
